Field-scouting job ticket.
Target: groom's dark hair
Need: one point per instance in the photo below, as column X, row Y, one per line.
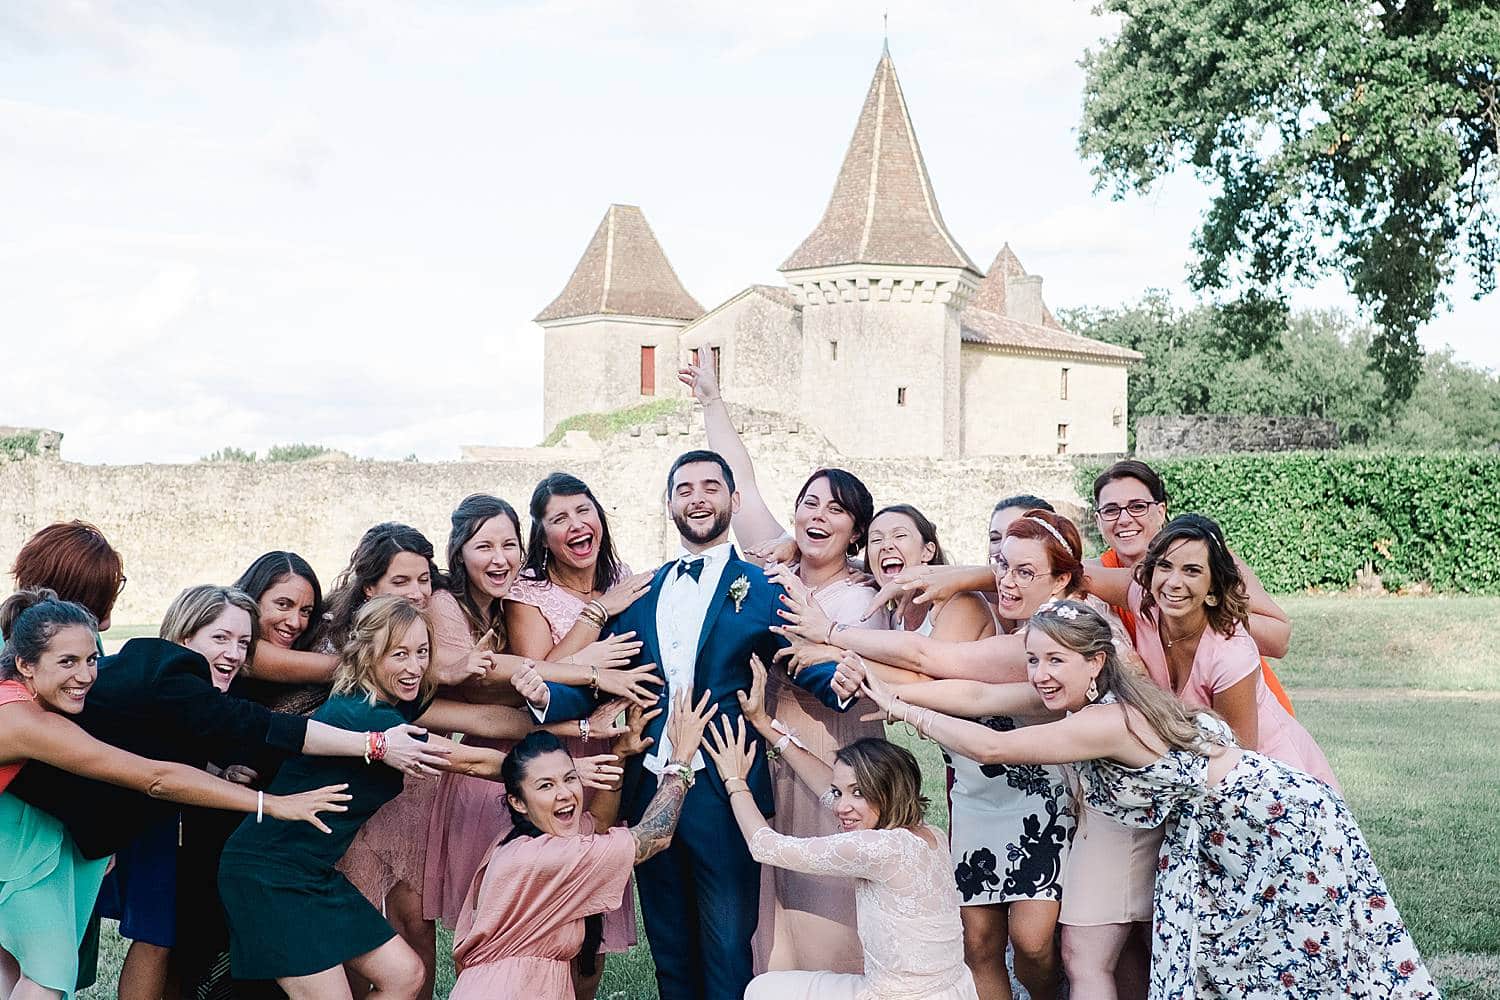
column 700, row 455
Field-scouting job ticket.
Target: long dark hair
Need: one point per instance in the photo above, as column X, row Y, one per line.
column 850, row 494
column 513, row 769
column 367, row 564
column 29, row 619
column 267, row 570
column 607, row 570
column 925, row 528
column 474, row 512
column 1231, row 605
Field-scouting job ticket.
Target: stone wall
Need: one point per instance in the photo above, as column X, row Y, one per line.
column 179, row 525
column 1013, row 404
column 1163, row 437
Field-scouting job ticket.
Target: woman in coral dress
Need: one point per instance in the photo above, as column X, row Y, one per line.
column 537, row 905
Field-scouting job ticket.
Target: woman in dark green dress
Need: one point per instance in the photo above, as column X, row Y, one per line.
column 292, row 916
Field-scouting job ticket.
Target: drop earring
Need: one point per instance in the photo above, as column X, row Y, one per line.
column 1092, row 694
column 1211, row 600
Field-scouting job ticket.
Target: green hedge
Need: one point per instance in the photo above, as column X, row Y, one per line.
column 1312, row 519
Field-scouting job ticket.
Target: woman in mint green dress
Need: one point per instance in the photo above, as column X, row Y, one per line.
column 47, row 888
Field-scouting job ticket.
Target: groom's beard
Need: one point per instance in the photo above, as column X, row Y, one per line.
column 699, row 532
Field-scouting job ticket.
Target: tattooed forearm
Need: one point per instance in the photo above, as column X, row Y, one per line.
column 654, row 832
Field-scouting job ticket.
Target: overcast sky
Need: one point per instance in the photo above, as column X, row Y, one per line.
column 229, row 223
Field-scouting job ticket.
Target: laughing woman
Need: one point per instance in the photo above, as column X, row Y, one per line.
column 806, row 921
column 292, row 916
column 47, row 886
column 287, row 675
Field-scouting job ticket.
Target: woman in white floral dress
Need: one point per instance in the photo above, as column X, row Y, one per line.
column 1265, row 886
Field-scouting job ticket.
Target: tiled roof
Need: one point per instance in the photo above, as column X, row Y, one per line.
column 991, row 293
column 623, row 272
column 883, row 210
column 779, row 294
column 991, row 329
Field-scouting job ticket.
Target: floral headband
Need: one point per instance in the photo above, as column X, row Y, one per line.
column 1057, row 609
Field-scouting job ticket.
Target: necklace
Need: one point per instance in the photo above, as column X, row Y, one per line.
column 1169, row 642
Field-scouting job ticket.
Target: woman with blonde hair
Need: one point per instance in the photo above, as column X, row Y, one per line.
column 1265, row 887
column 174, row 863
column 293, row 916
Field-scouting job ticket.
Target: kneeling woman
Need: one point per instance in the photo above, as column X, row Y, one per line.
column 907, row 904
column 292, row 916
column 539, row 898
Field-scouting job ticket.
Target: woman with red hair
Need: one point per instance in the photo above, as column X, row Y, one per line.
column 74, row 560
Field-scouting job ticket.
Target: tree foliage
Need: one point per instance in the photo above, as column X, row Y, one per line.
column 294, row 452
column 1315, row 364
column 229, row 454
column 1338, row 136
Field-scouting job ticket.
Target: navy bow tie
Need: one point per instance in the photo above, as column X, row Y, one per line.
column 691, row 567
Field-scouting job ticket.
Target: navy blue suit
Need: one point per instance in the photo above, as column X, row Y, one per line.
column 700, row 897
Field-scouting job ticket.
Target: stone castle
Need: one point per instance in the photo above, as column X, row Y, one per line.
column 886, row 340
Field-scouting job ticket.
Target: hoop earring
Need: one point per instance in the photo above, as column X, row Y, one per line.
column 1092, row 694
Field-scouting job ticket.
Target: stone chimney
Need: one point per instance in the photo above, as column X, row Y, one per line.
column 1023, row 298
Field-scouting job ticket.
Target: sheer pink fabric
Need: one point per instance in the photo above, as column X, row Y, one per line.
column 522, row 922
column 808, row 921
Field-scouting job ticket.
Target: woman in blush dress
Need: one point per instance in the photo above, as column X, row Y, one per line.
column 468, row 624
column 534, row 912
column 902, row 874
column 1192, row 606
column 806, row 921
column 1265, row 887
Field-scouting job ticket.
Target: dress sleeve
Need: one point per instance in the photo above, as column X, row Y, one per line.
column 866, row 854
column 451, row 641
column 221, row 719
column 1230, row 660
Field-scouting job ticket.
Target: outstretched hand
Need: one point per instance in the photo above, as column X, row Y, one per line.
column 599, row 771
column 697, row 373
column 920, row 585
column 753, row 701
column 685, row 724
column 529, row 684
column 406, row 753
column 730, row 749
column 305, row 806
column 603, row 720
column 634, row 740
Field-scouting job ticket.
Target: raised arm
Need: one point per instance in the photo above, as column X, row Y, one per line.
column 1111, row 584
column 972, row 699
column 812, row 770
column 754, row 524
column 29, row 733
column 1269, row 625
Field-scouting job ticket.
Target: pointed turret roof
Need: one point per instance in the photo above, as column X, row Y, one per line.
column 883, row 210
column 623, row 272
column 990, row 296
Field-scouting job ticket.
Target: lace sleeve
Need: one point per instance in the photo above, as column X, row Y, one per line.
column 867, row 854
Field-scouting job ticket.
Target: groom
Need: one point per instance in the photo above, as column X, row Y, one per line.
column 706, row 613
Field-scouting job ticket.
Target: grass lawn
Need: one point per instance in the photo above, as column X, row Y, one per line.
column 1419, row 772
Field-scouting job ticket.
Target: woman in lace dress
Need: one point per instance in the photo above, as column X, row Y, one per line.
column 1265, row 886
column 903, row 885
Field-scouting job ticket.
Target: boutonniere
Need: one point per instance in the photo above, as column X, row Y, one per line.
column 738, row 591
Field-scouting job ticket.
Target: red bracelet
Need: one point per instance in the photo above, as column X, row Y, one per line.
column 374, row 747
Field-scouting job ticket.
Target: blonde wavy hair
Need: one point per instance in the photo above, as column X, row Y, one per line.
column 378, row 626
column 1078, row 627
column 199, row 607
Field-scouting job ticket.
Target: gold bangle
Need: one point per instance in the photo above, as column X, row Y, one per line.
column 744, row 785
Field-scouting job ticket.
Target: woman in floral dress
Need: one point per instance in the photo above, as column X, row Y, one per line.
column 1265, row 886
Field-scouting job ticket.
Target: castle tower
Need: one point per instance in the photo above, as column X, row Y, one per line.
column 611, row 334
column 881, row 283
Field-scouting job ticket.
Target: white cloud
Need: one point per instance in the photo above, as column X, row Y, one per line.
column 227, row 223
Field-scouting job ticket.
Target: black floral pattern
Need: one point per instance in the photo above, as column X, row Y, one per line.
column 975, row 874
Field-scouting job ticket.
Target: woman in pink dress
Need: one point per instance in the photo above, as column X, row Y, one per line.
column 535, row 906
column 807, row 921
column 468, row 621
column 1192, row 605
column 570, row 562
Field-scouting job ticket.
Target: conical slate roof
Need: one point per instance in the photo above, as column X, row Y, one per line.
column 623, row 272
column 883, row 210
column 990, row 296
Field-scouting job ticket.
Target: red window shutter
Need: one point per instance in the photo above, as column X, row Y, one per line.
column 648, row 371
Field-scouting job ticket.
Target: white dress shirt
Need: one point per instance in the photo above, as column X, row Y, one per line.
column 681, row 608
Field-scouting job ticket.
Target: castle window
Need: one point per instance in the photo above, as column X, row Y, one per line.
column 1062, row 436
column 833, row 350
column 1062, row 447
column 1119, row 417
column 901, row 395
column 1064, row 387
column 648, row 371
column 718, row 365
